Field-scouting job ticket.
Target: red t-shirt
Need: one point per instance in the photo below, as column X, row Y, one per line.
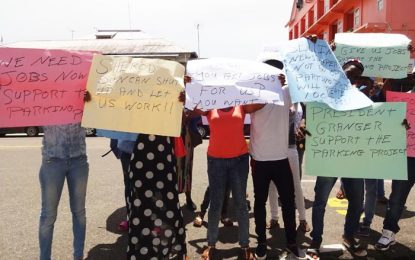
column 227, row 138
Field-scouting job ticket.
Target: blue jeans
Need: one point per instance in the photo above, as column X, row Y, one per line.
column 52, row 177
column 354, row 189
column 234, row 172
column 397, row 199
column 381, row 188
column 371, row 187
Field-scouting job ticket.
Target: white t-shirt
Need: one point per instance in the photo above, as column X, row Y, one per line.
column 269, row 131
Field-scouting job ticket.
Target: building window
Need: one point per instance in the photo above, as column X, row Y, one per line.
column 380, row 5
column 326, row 6
column 339, row 26
column 356, row 18
column 326, row 36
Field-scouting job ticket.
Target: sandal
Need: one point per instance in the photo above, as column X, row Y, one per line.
column 304, row 227
column 273, row 223
column 198, row 221
column 208, row 253
column 123, row 226
column 340, row 194
column 227, row 222
column 247, row 253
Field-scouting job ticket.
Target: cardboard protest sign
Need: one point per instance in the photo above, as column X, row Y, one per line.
column 219, row 83
column 314, row 74
column 42, row 87
column 409, row 99
column 383, row 55
column 135, row 95
column 365, row 143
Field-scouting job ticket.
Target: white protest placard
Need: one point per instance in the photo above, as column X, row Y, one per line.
column 314, row 74
column 220, row 82
column 383, row 55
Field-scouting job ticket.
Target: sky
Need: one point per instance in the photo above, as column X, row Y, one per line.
column 227, row 28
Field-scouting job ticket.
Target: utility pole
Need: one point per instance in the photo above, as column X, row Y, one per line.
column 198, row 40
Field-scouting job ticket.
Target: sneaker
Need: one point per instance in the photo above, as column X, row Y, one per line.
column 246, row 253
column 273, row 223
column 296, row 251
column 261, row 251
column 313, row 251
column 363, row 231
column 303, row 226
column 386, row 240
column 354, row 246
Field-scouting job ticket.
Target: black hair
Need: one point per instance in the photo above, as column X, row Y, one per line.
column 275, row 63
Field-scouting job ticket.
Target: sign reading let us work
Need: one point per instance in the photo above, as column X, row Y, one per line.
column 42, row 87
column 364, row 143
column 135, row 95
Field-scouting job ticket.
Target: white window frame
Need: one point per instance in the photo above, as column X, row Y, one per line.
column 356, row 18
column 380, row 5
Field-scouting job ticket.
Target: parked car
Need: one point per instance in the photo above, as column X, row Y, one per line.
column 29, row 130
column 35, row 130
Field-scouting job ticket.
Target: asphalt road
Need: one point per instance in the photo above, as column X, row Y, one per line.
column 20, row 207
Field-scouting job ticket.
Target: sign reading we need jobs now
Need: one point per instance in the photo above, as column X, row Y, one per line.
column 42, row 87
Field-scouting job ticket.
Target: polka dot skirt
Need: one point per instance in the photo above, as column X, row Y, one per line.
column 155, row 220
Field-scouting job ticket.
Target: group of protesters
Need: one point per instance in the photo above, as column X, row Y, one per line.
column 157, row 168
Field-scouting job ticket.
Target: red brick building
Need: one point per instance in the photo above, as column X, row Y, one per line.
column 325, row 18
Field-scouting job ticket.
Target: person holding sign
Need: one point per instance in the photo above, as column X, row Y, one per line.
column 354, row 189
column 228, row 166
column 63, row 157
column 397, row 198
column 156, row 227
column 269, row 152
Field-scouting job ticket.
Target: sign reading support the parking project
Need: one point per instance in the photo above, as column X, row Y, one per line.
column 314, row 74
column 135, row 95
column 42, row 87
column 409, row 99
column 383, row 55
column 220, row 83
column 364, row 143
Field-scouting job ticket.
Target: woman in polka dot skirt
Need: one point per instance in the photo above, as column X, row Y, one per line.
column 156, row 221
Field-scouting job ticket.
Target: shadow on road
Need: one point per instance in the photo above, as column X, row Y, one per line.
column 116, row 251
